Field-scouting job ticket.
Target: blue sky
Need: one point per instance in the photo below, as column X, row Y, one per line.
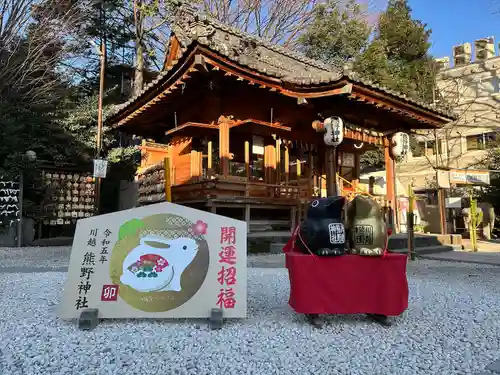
column 457, row 21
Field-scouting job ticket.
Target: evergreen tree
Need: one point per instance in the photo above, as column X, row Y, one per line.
column 396, row 57
column 336, row 35
column 406, row 43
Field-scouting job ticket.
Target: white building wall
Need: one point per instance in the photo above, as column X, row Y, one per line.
column 473, row 92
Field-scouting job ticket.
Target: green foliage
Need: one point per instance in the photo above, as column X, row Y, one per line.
column 80, row 120
column 346, row 43
column 398, row 57
column 373, row 159
column 373, row 64
column 405, row 39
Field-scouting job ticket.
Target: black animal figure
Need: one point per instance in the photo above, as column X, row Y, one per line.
column 323, row 232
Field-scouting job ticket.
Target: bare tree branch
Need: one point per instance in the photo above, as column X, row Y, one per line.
column 278, row 21
column 33, row 42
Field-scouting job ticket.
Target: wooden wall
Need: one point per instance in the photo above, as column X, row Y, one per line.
column 180, row 152
column 152, row 153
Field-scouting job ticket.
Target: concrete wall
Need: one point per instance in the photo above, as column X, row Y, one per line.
column 128, row 195
column 8, row 238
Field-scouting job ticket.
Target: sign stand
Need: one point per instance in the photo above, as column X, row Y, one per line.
column 216, row 320
column 89, row 319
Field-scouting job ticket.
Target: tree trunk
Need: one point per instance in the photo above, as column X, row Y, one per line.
column 139, row 48
column 139, row 68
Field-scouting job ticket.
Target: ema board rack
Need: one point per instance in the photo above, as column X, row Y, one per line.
column 152, row 184
column 68, row 197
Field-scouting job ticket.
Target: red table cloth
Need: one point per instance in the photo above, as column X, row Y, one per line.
column 347, row 284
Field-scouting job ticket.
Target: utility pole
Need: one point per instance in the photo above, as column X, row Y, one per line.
column 102, row 55
column 440, row 191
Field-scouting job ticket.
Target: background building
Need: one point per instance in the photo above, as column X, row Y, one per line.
column 469, row 83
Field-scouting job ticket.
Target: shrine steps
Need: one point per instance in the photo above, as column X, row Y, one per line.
column 428, row 249
column 426, row 243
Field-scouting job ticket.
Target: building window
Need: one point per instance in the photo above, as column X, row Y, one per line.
column 441, row 147
column 427, row 148
column 481, row 141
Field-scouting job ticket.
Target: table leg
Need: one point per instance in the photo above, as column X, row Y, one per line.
column 314, row 320
column 380, row 319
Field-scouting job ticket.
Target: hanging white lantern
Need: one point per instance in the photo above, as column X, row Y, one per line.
column 400, row 144
column 334, row 135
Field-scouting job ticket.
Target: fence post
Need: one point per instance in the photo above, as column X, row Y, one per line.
column 168, row 182
column 410, row 224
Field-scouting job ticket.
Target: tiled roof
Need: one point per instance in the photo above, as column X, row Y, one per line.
column 255, row 53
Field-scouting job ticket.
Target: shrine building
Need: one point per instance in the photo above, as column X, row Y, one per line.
column 237, row 117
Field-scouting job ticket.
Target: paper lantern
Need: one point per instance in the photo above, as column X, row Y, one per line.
column 400, row 144
column 334, row 135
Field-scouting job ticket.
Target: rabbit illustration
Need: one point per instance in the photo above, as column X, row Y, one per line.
column 180, row 255
column 146, row 275
column 175, row 255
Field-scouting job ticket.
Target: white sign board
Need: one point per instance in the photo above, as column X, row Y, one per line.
column 158, row 261
column 469, row 177
column 453, row 202
column 443, row 179
column 9, row 201
column 100, row 168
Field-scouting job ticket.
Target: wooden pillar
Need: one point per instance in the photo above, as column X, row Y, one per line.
column 247, row 159
column 224, row 148
column 310, row 162
column 269, row 162
column 195, row 165
column 442, row 210
column 389, row 181
column 210, row 170
column 287, row 164
column 299, row 169
column 331, row 171
column 277, row 151
column 171, row 164
column 357, row 168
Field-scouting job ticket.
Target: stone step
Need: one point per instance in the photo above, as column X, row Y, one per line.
column 270, row 234
column 427, row 249
column 257, row 223
column 400, row 241
column 55, row 241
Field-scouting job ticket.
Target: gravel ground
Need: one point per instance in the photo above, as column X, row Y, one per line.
column 35, row 257
column 451, row 327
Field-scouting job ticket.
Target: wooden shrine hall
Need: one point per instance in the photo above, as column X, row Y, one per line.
column 236, row 116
